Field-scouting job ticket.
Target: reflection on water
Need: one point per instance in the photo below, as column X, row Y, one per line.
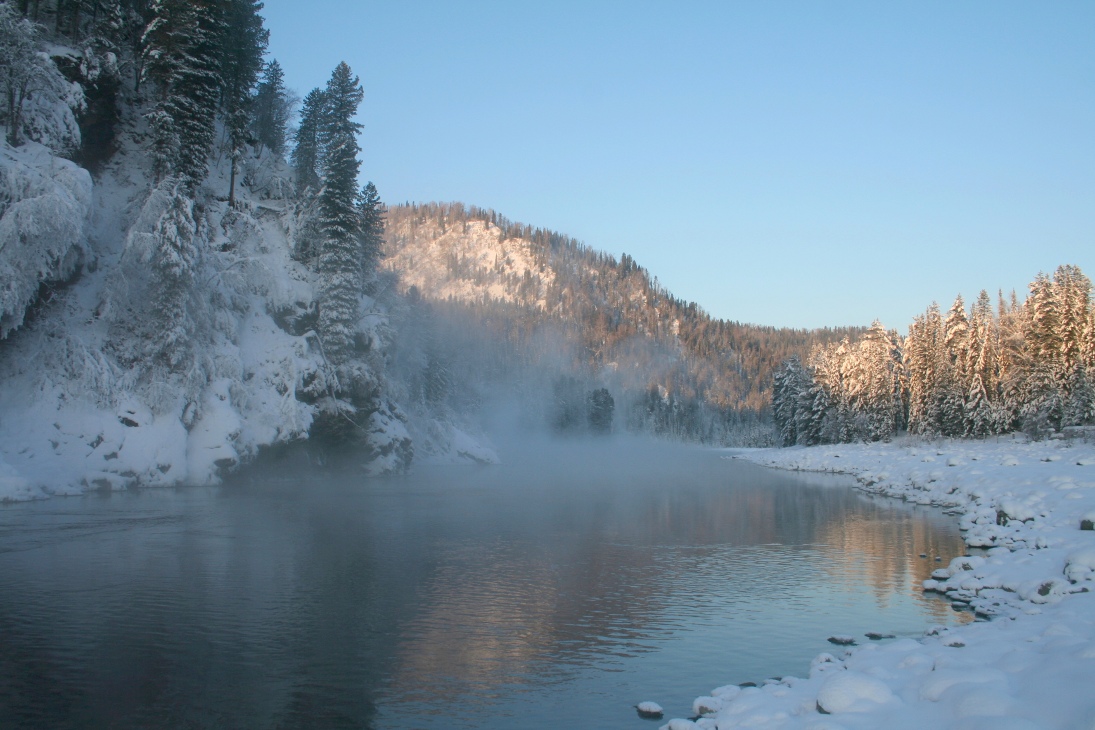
column 558, row 590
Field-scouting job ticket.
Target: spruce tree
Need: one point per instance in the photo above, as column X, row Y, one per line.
column 242, row 49
column 954, row 383
column 981, row 411
column 182, row 50
column 1043, row 391
column 306, row 151
column 1072, row 293
column 372, row 228
column 1011, row 319
column 271, row 110
column 923, row 358
column 789, row 392
column 339, row 218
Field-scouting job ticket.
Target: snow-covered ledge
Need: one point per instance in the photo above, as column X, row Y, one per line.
column 1032, row 666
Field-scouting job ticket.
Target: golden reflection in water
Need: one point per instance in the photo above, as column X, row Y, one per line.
column 879, row 549
column 478, row 624
column 492, row 610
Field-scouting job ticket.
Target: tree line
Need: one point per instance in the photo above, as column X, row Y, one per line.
column 1016, row 366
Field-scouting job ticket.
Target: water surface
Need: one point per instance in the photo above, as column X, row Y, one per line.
column 556, row 591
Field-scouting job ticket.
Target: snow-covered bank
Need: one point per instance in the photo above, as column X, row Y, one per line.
column 1022, row 506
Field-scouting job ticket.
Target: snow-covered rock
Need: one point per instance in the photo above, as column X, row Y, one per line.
column 852, row 692
column 706, row 705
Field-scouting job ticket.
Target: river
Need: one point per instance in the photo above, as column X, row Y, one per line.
column 557, row 590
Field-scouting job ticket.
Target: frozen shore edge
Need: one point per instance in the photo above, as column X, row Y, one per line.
column 1022, row 503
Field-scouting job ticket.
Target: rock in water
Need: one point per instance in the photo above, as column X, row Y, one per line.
column 649, row 710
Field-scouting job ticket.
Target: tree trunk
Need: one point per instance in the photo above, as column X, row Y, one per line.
column 232, row 185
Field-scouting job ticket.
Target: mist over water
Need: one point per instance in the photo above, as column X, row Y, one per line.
column 558, row 589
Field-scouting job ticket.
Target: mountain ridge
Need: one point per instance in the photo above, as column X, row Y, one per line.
column 612, row 311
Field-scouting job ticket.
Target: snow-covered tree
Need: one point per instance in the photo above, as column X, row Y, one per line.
column 339, row 218
column 306, row 150
column 877, row 384
column 1072, row 293
column 1079, row 409
column 244, row 44
column 40, row 102
column 372, row 227
column 182, row 48
column 923, row 361
column 955, row 372
column 153, row 321
column 982, row 410
column 789, row 398
column 272, row 109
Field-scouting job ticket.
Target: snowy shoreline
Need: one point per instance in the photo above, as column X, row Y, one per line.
column 1022, row 503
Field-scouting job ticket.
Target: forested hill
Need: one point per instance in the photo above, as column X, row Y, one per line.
column 614, row 314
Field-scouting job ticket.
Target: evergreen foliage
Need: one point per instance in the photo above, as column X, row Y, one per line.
column 372, row 212
column 183, row 52
column 272, row 107
column 601, row 408
column 974, row 375
column 240, row 64
column 340, row 260
column 306, row 150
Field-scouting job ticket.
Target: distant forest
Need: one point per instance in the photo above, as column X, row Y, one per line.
column 1025, row 366
column 684, row 373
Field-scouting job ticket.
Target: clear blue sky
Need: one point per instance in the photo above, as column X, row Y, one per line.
column 785, row 163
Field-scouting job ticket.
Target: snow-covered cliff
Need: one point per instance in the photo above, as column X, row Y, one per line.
column 85, row 403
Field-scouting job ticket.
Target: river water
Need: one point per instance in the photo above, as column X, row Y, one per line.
column 558, row 590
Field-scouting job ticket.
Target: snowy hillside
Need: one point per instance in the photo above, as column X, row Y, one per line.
column 466, row 261
column 203, row 289
column 549, row 299
column 82, row 409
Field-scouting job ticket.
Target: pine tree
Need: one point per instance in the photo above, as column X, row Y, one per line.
column 923, row 360
column 306, row 152
column 272, row 107
column 981, row 409
column 789, row 391
column 372, row 228
column 1079, row 409
column 955, row 378
column 1011, row 332
column 242, row 48
column 339, row 218
column 182, row 48
column 1072, row 295
column 1043, row 387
